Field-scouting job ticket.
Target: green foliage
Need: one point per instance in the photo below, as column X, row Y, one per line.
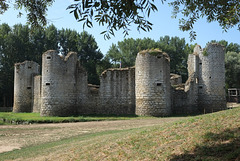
column 3, row 6
column 103, row 65
column 205, row 53
column 90, row 56
column 117, row 14
column 19, row 43
column 114, row 14
column 16, row 45
column 126, row 52
column 36, row 11
column 178, row 52
column 87, row 50
column 232, row 64
column 232, row 47
column 225, row 12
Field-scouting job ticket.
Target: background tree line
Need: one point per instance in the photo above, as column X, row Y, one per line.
column 178, row 50
column 19, row 43
column 126, row 52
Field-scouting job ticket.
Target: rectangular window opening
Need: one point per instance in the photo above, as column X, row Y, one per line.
column 29, row 87
column 47, row 84
column 159, row 84
column 48, row 57
column 29, row 67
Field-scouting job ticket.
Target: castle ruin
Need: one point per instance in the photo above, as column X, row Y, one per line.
column 148, row 89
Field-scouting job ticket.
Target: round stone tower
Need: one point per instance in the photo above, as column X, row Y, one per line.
column 211, row 87
column 58, row 84
column 23, row 85
column 152, row 83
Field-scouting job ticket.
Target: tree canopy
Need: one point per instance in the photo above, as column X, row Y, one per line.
column 18, row 44
column 126, row 52
column 121, row 14
column 225, row 12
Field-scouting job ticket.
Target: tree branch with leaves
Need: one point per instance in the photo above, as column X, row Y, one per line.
column 121, row 14
column 114, row 14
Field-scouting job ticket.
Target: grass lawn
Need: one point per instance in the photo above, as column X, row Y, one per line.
column 213, row 136
column 28, row 118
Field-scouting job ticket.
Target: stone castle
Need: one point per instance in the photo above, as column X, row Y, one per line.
column 148, row 89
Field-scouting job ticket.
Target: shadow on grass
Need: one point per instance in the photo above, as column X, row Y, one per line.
column 223, row 146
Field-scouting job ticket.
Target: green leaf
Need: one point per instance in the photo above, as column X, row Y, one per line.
column 154, row 8
column 103, row 32
column 76, row 14
column 81, row 19
column 149, row 10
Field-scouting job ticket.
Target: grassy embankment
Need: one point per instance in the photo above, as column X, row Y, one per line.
column 213, row 136
column 28, row 118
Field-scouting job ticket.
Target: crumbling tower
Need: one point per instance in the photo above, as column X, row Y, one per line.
column 23, row 85
column 211, row 88
column 58, row 84
column 152, row 80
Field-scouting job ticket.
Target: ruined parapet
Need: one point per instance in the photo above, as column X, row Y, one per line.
column 175, row 79
column 153, row 83
column 58, row 84
column 211, row 86
column 117, row 91
column 37, row 93
column 191, row 85
column 23, row 85
column 84, row 101
column 193, row 62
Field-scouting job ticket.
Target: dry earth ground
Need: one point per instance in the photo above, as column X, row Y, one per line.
column 18, row 136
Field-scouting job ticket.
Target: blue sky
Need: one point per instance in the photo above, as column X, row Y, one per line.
column 163, row 25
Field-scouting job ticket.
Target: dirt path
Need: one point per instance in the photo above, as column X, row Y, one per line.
column 17, row 136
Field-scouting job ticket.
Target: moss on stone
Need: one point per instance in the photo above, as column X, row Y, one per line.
column 155, row 52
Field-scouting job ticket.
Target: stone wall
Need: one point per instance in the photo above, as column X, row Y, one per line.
column 211, row 78
column 65, row 90
column 175, row 79
column 117, row 91
column 145, row 89
column 153, row 94
column 191, row 85
column 115, row 95
column 37, row 93
column 179, row 101
column 23, row 85
column 84, row 102
column 205, row 87
column 58, row 84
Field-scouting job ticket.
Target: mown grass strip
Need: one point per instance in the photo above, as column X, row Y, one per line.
column 29, row 118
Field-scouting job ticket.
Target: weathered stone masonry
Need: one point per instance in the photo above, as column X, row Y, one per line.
column 145, row 89
column 65, row 90
column 153, row 83
column 23, row 85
